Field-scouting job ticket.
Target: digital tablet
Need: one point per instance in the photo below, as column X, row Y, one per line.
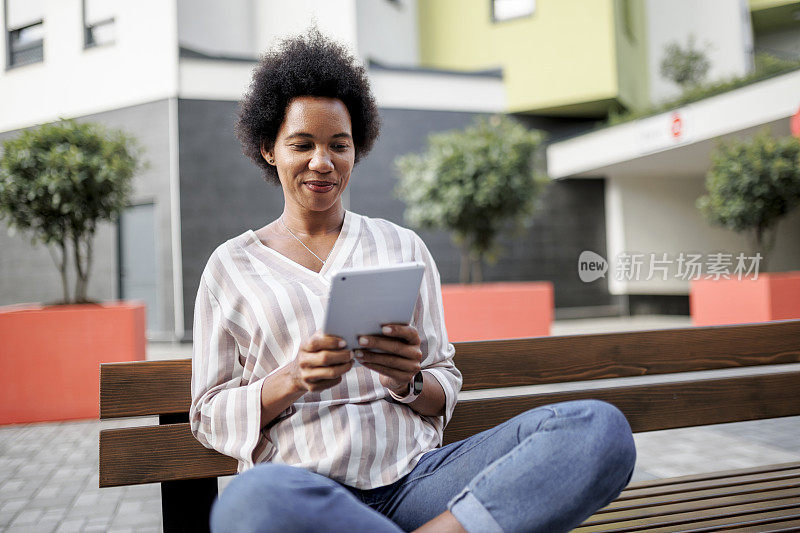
column 362, row 300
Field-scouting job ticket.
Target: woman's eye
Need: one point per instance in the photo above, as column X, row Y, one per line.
column 341, row 146
column 301, row 146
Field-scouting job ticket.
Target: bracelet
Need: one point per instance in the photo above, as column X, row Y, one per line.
column 414, row 390
column 399, row 398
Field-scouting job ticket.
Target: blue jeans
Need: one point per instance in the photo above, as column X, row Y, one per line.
column 547, row 469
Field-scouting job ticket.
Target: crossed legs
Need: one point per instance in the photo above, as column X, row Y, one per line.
column 546, row 469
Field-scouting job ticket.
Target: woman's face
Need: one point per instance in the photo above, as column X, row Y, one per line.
column 313, row 152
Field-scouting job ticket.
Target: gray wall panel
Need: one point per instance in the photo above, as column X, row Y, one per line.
column 222, row 192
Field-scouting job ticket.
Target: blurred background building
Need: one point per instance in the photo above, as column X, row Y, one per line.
column 171, row 73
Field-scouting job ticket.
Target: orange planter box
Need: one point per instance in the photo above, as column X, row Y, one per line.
column 50, row 357
column 773, row 296
column 498, row 310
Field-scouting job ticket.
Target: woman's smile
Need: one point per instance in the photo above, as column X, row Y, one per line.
column 320, row 186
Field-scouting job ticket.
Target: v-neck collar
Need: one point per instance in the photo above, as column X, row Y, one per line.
column 342, row 248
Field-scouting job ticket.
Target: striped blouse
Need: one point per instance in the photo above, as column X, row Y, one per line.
column 255, row 307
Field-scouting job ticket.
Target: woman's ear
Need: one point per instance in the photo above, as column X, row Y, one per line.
column 267, row 155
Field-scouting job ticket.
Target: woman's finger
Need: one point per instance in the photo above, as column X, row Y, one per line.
column 327, row 358
column 319, row 386
column 406, row 332
column 397, row 375
column 323, row 373
column 388, row 360
column 320, row 341
column 391, row 345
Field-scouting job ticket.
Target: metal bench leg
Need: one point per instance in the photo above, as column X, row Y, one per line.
column 186, row 504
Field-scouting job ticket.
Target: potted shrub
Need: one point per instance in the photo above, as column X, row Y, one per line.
column 476, row 183
column 57, row 182
column 752, row 185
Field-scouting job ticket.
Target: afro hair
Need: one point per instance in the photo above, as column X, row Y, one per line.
column 306, row 65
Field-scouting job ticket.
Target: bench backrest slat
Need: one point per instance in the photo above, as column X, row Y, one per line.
column 541, row 360
column 652, row 407
column 162, row 387
column 150, row 454
column 145, row 388
column 168, row 452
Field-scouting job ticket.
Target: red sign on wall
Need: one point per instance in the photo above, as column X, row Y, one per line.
column 677, row 126
column 795, row 124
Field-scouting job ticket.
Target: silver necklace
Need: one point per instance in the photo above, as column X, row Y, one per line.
column 304, row 244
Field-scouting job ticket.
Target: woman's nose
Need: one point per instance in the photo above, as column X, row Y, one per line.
column 321, row 161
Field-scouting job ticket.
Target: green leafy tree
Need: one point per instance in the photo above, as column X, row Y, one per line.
column 751, row 185
column 473, row 183
column 685, row 66
column 58, row 181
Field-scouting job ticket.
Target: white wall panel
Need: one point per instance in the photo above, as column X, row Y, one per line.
column 277, row 19
column 717, row 25
column 218, row 28
column 140, row 66
column 24, row 12
column 387, row 31
column 750, row 106
column 228, row 80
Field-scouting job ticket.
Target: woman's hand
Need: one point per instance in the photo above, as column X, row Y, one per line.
column 320, row 363
column 400, row 364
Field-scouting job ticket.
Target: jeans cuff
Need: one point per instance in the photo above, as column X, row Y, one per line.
column 472, row 515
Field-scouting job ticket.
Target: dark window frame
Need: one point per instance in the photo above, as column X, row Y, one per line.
column 496, row 20
column 88, row 39
column 10, row 62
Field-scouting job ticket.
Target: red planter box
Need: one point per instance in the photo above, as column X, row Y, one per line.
column 498, row 310
column 773, row 296
column 50, row 357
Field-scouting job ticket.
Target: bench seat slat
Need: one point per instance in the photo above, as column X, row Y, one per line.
column 788, row 476
column 714, row 475
column 743, row 522
column 692, row 495
column 150, row 454
column 688, row 521
column 790, row 524
column 652, row 407
column 694, row 505
column 539, row 360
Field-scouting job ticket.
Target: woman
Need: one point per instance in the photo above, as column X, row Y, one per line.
column 324, row 445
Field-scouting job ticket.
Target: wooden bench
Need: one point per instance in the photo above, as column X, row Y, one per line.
column 504, row 378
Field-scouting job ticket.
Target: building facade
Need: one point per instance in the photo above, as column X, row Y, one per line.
column 171, row 73
column 654, row 168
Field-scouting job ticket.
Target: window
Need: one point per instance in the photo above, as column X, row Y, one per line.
column 98, row 22
column 512, row 9
column 24, row 32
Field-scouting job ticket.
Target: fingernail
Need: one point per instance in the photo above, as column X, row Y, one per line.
column 358, row 354
column 342, row 343
column 386, row 330
column 363, row 341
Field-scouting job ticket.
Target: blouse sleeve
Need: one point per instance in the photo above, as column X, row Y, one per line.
column 225, row 413
column 437, row 351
